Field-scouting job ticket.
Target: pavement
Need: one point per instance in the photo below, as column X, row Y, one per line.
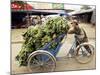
column 63, row 63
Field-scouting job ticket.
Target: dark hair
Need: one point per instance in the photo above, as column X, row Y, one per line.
column 74, row 21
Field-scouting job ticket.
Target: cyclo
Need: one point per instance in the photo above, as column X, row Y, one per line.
column 44, row 60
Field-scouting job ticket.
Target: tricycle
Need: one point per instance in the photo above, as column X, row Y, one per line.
column 44, row 60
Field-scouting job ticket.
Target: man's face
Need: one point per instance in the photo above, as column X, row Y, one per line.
column 73, row 24
column 72, row 28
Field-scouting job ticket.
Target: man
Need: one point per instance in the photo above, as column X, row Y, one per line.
column 27, row 20
column 43, row 19
column 80, row 34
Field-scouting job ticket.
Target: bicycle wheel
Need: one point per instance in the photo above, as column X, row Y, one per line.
column 84, row 53
column 41, row 61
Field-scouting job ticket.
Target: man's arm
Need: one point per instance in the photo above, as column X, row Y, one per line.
column 71, row 30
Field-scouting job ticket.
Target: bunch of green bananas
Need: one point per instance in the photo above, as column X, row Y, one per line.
column 37, row 36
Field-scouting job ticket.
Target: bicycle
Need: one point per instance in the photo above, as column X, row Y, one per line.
column 83, row 53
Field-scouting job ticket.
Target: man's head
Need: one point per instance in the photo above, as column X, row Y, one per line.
column 74, row 23
column 74, row 26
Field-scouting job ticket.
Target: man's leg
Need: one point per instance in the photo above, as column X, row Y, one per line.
column 88, row 49
column 77, row 43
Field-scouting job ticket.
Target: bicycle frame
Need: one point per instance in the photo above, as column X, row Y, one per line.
column 73, row 47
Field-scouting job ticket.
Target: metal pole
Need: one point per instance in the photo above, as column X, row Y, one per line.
column 28, row 16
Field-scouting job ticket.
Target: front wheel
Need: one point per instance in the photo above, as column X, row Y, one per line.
column 41, row 61
column 84, row 53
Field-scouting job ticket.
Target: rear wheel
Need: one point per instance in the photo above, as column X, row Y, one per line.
column 84, row 53
column 41, row 61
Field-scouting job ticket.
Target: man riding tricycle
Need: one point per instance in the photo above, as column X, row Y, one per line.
column 42, row 43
